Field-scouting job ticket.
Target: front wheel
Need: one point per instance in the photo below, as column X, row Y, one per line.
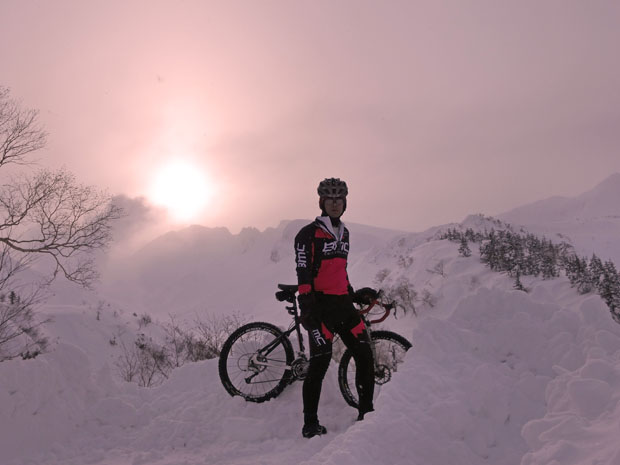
column 389, row 352
column 255, row 362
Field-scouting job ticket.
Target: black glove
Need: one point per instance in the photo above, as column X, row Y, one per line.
column 365, row 295
column 307, row 304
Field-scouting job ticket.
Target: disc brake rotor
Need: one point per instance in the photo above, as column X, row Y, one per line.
column 383, row 374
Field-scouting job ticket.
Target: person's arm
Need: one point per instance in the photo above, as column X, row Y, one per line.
column 303, row 260
column 304, row 255
column 347, row 238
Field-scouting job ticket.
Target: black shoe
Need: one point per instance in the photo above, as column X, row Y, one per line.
column 313, row 429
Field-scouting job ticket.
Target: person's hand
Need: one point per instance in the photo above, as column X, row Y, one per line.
column 307, row 306
column 365, row 295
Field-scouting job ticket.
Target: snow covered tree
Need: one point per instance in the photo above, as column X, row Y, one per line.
column 489, row 251
column 584, row 277
column 464, row 249
column 518, row 284
column 549, row 261
column 524, row 254
column 610, row 288
column 578, row 273
column 597, row 272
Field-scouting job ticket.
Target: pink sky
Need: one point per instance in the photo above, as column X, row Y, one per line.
column 430, row 110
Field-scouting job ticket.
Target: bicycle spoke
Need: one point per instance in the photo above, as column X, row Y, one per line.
column 389, row 352
column 255, row 362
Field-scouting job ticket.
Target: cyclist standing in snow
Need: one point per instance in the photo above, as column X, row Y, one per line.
column 326, row 303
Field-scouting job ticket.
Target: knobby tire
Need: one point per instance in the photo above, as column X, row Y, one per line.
column 390, row 350
column 244, row 373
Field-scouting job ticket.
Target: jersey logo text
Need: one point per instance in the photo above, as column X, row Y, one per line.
column 301, row 256
column 335, row 246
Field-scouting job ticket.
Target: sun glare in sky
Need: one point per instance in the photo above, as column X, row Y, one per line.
column 182, row 188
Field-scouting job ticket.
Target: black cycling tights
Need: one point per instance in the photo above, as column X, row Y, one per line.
column 356, row 339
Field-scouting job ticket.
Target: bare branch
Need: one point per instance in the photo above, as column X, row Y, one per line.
column 47, row 214
column 52, row 215
column 20, row 132
column 20, row 334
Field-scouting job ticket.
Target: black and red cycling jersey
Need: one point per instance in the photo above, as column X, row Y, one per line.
column 321, row 252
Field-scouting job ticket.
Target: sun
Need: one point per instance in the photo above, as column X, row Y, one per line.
column 182, row 188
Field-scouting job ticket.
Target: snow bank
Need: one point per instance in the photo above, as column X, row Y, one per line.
column 495, row 376
column 503, row 363
column 43, row 401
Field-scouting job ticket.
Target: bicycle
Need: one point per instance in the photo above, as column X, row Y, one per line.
column 257, row 360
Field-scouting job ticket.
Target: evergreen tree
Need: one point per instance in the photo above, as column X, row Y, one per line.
column 611, row 288
column 584, row 277
column 596, row 272
column 488, row 251
column 518, row 284
column 516, row 254
column 524, row 254
column 464, row 249
column 549, row 262
column 570, row 267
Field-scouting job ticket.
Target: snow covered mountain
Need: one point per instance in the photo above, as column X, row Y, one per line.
column 496, row 376
column 590, row 221
column 201, row 269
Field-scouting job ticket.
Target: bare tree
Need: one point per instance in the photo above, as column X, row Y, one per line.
column 144, row 362
column 20, row 330
column 46, row 214
column 52, row 215
column 438, row 269
column 20, row 132
column 403, row 293
column 177, row 340
column 128, row 363
column 150, row 363
column 215, row 329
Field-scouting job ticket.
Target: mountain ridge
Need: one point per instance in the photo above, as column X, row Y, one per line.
column 590, row 222
column 597, row 202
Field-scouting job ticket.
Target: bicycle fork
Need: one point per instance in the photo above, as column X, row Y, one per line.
column 380, row 370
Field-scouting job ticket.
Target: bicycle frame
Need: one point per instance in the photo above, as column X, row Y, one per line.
column 270, row 356
column 292, row 310
column 296, row 326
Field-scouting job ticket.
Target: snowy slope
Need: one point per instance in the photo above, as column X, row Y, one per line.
column 496, row 376
column 201, row 269
column 590, row 221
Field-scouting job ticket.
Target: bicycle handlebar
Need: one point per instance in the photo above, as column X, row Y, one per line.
column 386, row 307
column 287, row 293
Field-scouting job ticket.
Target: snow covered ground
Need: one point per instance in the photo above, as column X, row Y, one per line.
column 495, row 376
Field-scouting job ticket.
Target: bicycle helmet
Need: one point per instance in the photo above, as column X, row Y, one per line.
column 332, row 187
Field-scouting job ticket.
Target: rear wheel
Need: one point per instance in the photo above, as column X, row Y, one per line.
column 255, row 362
column 389, row 352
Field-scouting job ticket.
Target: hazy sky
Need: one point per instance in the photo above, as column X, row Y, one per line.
column 430, row 110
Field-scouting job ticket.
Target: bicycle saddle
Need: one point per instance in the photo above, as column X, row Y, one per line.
column 288, row 287
column 287, row 292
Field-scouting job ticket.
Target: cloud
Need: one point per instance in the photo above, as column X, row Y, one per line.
column 142, row 222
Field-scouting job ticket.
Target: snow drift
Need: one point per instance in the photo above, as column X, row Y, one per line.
column 495, row 376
